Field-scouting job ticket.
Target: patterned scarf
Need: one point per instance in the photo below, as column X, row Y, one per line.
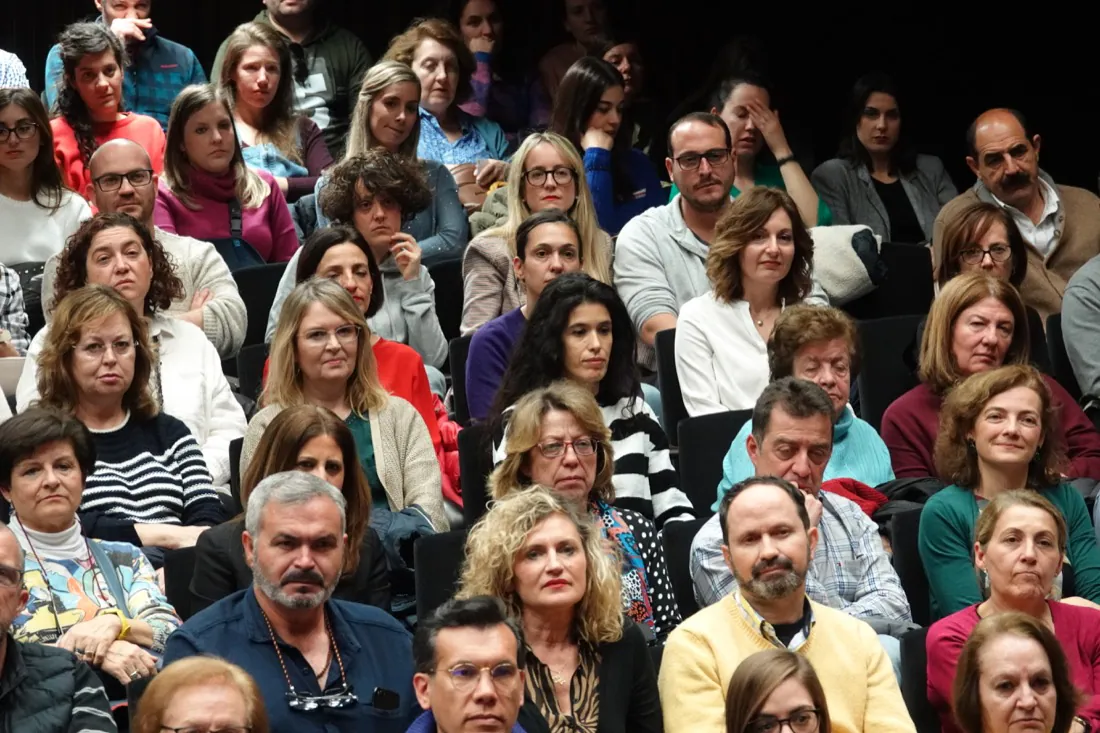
column 636, row 598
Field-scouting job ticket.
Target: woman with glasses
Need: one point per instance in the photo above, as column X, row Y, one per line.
column 202, row 694
column 773, row 691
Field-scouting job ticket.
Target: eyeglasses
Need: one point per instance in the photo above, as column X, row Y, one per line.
column 801, row 721
column 561, row 175
column 22, row 131
column 10, row 577
column 113, row 181
column 465, row 677
column 714, row 157
column 320, row 337
column 198, row 729
column 974, row 255
column 96, row 350
column 342, row 698
column 556, row 449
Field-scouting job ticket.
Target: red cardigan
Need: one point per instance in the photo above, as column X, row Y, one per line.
column 145, row 131
column 910, row 425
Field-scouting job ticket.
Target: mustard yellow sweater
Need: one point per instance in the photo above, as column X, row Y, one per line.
column 702, row 653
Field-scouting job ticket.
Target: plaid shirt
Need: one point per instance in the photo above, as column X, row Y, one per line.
column 13, row 315
column 849, row 572
column 13, row 75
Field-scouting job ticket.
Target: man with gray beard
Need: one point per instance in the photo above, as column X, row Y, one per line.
column 321, row 664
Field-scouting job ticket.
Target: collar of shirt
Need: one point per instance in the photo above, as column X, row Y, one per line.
column 766, row 630
column 1051, row 203
column 341, row 633
column 432, row 121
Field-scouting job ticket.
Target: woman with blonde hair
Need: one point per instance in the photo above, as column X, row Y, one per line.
column 202, row 693
column 546, row 173
column 587, row 668
column 774, row 688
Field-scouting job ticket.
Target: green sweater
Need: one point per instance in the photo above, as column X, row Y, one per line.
column 769, row 175
column 946, row 542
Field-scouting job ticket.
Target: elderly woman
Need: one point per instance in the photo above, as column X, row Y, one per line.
column 557, row 439
column 820, row 345
column 760, row 262
column 117, row 251
column 311, row 439
column 202, row 694
column 998, row 432
column 100, row 600
column 774, row 687
column 976, row 324
column 587, row 668
column 1019, row 549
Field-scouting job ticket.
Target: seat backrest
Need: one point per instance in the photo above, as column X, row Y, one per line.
column 447, row 276
column 672, row 400
column 907, row 289
column 179, row 568
column 257, row 286
column 475, row 463
column 236, row 446
column 907, row 563
column 250, row 370
column 704, row 442
column 914, row 681
column 884, row 374
column 438, row 559
column 1059, row 357
column 676, row 539
column 459, row 352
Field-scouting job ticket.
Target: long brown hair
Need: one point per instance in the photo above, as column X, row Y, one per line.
column 756, row 678
column 970, row 225
column 47, row 188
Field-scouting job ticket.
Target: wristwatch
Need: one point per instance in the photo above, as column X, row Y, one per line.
column 125, row 630
column 1085, row 725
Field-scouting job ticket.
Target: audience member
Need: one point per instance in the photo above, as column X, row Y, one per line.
column 768, row 542
column 118, row 252
column 452, row 647
column 819, row 345
column 329, row 65
column 321, row 664
column 150, row 486
column 13, row 75
column 554, row 241
column 976, row 324
column 99, row 600
column 90, row 107
column 584, row 21
column 580, row 331
column 623, row 50
column 1080, row 321
column 311, row 439
column 878, row 179
column 774, row 688
column 257, row 76
column 997, row 433
column 202, row 693
column 545, row 174
column 761, row 261
column 13, row 315
column 38, row 212
column 1060, row 223
column 1020, row 542
column 46, row 689
column 586, row 666
column 588, row 111
column 156, row 68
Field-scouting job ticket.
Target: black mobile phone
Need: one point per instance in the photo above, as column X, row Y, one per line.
column 384, row 699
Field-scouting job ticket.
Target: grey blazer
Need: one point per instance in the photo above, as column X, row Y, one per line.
column 851, row 196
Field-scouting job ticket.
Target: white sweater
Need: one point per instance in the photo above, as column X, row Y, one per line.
column 721, row 359
column 195, row 389
column 29, row 233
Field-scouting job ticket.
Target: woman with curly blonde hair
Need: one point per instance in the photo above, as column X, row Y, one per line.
column 587, row 668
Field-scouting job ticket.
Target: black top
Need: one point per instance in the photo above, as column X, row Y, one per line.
column 221, row 569
column 904, row 226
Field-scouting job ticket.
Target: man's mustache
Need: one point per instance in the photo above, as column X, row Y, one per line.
column 778, row 563
column 302, row 576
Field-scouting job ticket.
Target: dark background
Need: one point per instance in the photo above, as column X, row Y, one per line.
column 952, row 60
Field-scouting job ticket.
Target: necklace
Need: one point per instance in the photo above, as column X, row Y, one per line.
column 333, row 650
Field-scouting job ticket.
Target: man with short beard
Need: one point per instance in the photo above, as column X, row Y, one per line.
column 768, row 543
column 321, row 664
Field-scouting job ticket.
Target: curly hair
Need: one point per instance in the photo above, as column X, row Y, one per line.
column 739, row 226
column 324, row 239
column 801, row 325
column 72, row 266
column 955, row 458
column 185, row 674
column 380, row 173
column 47, row 188
column 56, row 387
column 525, row 431
column 757, row 677
column 403, row 48
column 496, row 541
column 378, row 79
column 75, row 42
column 966, row 228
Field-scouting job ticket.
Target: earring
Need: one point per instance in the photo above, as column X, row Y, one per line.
column 970, row 447
column 1038, row 455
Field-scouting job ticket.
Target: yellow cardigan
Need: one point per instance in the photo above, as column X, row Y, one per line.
column 702, row 653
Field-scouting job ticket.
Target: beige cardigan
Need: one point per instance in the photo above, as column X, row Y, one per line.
column 403, row 456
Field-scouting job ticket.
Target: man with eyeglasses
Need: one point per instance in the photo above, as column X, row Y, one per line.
column 469, row 668
column 123, row 182
column 42, row 688
column 1060, row 224
column 323, row 665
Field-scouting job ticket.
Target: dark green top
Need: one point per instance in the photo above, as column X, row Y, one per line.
column 364, row 446
column 767, row 174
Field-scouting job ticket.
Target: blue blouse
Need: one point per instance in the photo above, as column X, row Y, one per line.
column 481, row 138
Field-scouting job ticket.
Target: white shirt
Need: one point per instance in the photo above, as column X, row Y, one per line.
column 1043, row 236
column 30, row 233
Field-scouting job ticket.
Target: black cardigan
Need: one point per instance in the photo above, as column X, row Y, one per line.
column 629, row 701
column 220, row 569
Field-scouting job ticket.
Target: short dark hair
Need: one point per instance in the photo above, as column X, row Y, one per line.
column 23, row 434
column 972, row 131
column 324, row 239
column 903, row 157
column 734, row 491
column 707, row 119
column 721, row 93
column 546, row 216
column 798, row 397
column 479, row 612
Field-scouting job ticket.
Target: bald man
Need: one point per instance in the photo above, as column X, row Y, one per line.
column 123, row 181
column 1061, row 224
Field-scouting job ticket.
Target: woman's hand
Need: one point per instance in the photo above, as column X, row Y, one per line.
column 89, row 640
column 283, row 184
column 406, row 253
column 482, row 44
column 594, row 138
column 767, row 121
column 491, row 171
column 128, row 662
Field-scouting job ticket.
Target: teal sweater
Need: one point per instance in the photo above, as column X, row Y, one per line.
column 946, row 542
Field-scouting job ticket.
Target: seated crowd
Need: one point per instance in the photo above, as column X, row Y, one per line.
column 338, row 404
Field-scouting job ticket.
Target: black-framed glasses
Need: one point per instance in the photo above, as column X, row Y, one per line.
column 714, row 157
column 23, row 131
column 999, row 253
column 556, row 448
column 113, row 181
column 561, row 175
column 465, row 677
column 10, row 577
column 339, row 700
column 199, row 729
column 800, row 721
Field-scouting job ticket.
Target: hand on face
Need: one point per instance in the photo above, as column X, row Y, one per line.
column 767, row 122
column 131, row 30
column 594, row 138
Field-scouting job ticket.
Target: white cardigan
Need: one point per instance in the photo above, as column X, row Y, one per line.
column 195, row 389
column 721, row 359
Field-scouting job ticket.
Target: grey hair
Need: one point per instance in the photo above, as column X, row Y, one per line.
column 22, row 553
column 290, row 487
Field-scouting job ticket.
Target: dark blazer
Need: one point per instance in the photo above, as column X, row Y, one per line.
column 220, row 569
column 629, row 701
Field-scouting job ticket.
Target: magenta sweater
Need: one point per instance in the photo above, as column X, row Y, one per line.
column 268, row 228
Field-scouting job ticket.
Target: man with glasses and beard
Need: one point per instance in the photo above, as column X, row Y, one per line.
column 321, row 664
column 768, row 543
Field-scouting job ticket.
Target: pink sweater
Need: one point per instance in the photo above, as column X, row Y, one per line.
column 1077, row 630
column 268, row 227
